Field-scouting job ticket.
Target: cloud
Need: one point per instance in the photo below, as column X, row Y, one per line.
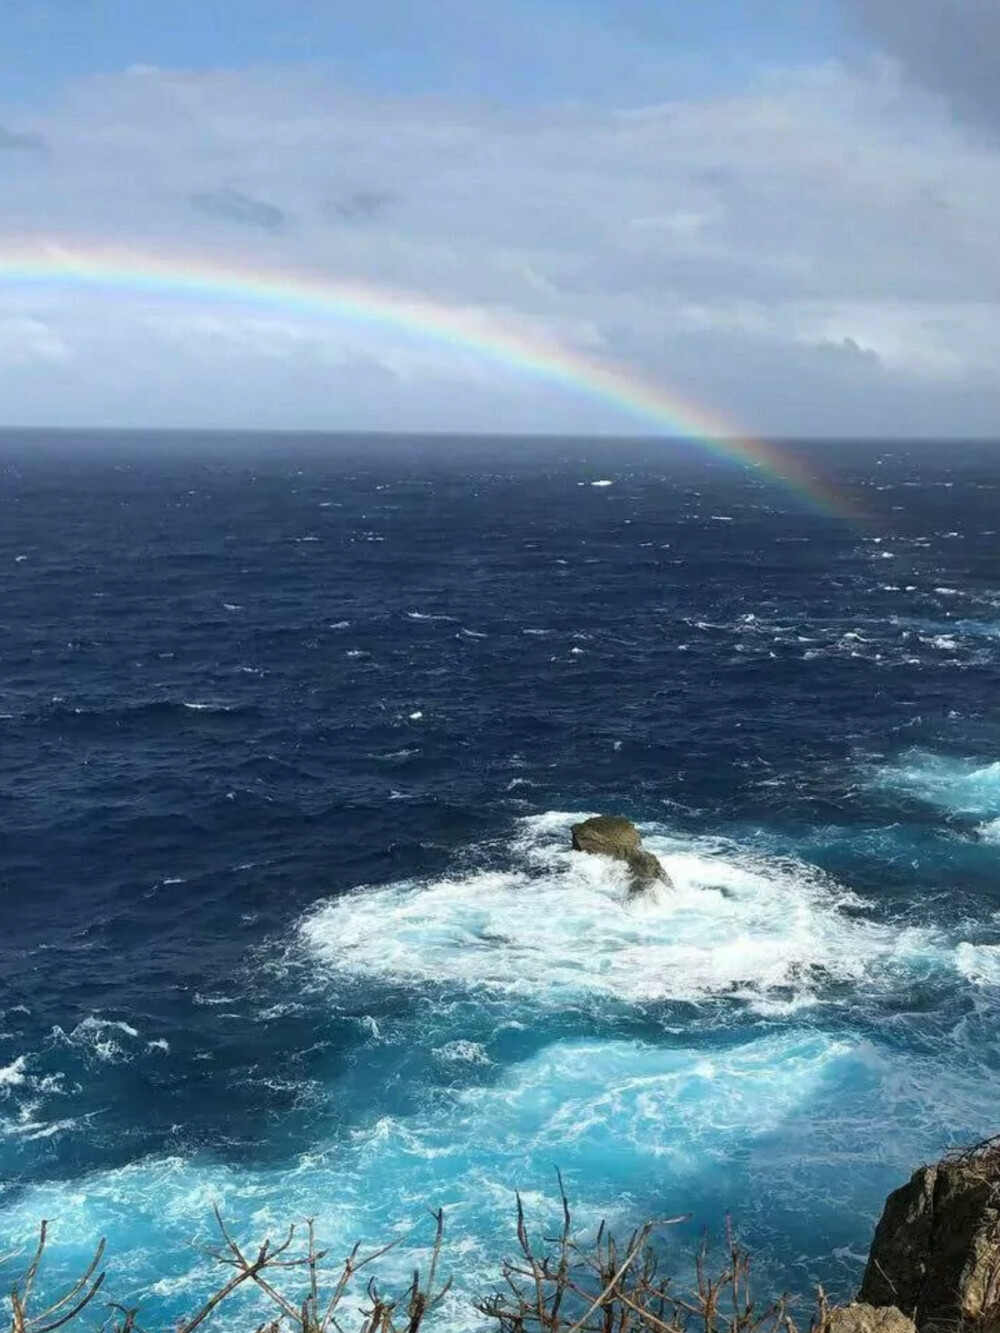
column 14, row 141
column 235, row 206
column 364, row 205
column 814, row 253
column 950, row 46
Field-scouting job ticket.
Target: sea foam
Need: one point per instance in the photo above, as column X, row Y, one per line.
column 963, row 786
column 553, row 927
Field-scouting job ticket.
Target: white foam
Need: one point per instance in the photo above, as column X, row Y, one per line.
column 49, row 1130
column 965, row 786
column 619, row 1115
column 605, row 481
column 561, row 927
column 13, row 1075
column 463, row 1052
column 979, row 963
column 99, row 1037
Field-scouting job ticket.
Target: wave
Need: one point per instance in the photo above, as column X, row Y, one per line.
column 979, row 963
column 147, row 713
column 636, row 1129
column 470, row 980
column 622, row 1119
column 555, row 927
column 13, row 1075
column 962, row 786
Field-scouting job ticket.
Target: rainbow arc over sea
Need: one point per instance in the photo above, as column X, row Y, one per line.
column 38, row 264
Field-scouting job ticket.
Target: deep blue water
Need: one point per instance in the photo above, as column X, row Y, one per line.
column 291, row 735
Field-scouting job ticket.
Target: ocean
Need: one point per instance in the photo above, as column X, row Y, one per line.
column 292, row 734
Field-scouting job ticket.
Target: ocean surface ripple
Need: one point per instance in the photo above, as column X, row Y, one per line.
column 293, row 732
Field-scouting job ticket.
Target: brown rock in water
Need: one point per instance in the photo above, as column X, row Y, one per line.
column 936, row 1252
column 646, row 868
column 617, row 837
column 607, row 835
column 860, row 1318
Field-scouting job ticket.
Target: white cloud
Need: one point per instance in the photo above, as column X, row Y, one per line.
column 25, row 340
column 815, row 255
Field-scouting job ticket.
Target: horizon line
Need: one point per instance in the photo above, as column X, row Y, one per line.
column 469, row 433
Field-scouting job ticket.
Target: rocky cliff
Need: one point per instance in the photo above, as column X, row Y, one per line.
column 936, row 1251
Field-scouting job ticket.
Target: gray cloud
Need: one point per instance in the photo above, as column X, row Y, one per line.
column 813, row 255
column 22, row 141
column 235, row 206
column 949, row 46
column 364, row 205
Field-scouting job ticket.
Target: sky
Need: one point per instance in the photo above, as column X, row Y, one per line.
column 782, row 213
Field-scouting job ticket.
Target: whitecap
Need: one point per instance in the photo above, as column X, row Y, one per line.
column 964, row 786
column 562, row 928
column 101, row 1038
column 605, row 481
column 13, row 1075
column 463, row 1052
column 979, row 963
column 629, row 1119
column 49, row 1130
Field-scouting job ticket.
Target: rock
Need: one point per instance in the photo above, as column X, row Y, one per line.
column 617, row 837
column 646, row 868
column 607, row 835
column 936, row 1252
column 860, row 1318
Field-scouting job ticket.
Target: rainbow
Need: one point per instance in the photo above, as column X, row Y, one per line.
column 40, row 264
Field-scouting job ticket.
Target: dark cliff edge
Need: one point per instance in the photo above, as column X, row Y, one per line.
column 936, row 1251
